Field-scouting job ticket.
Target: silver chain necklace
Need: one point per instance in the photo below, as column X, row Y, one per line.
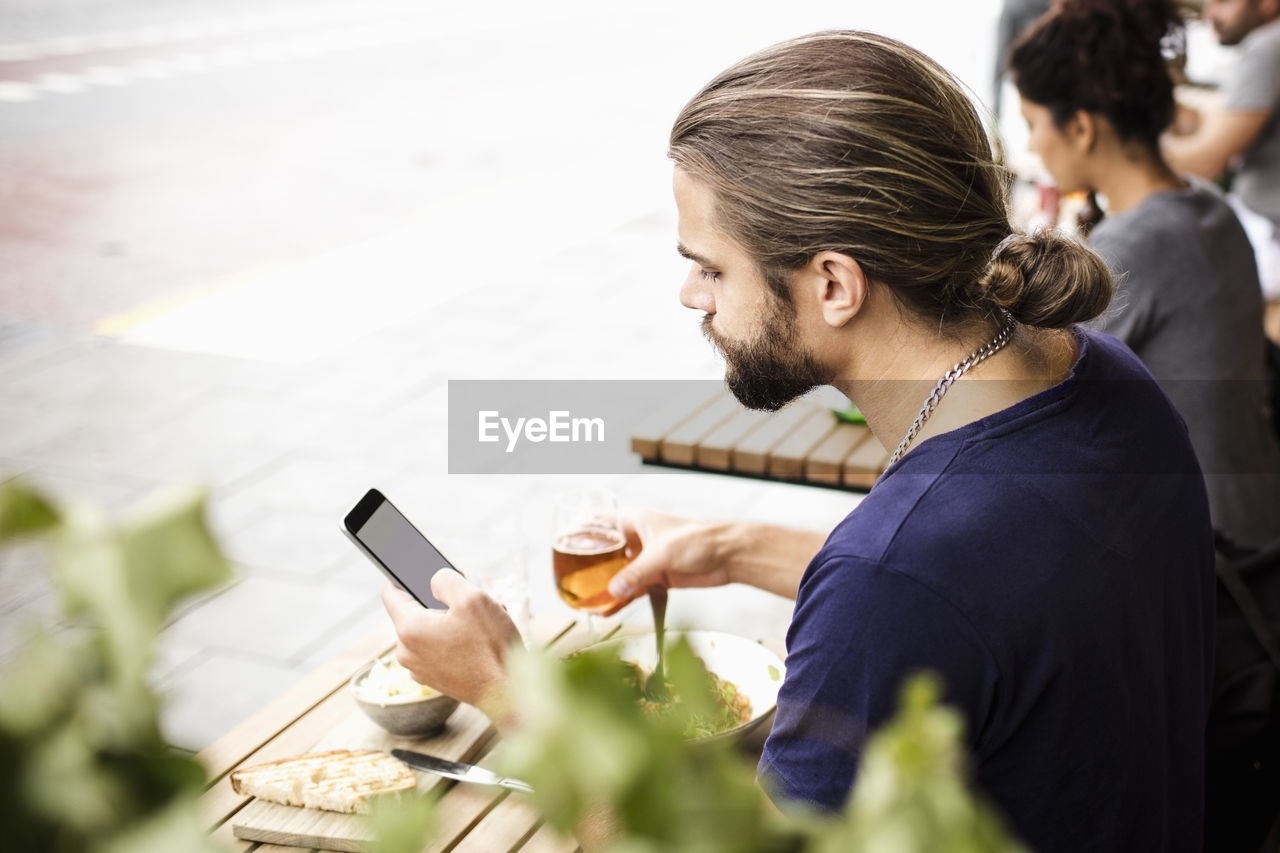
column 978, row 356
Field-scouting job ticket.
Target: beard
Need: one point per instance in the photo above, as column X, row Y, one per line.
column 773, row 368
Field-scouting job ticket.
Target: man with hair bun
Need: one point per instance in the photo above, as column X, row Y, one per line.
column 1041, row 536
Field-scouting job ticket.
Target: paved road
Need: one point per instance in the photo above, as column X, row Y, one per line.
column 145, row 163
column 246, row 243
column 148, row 150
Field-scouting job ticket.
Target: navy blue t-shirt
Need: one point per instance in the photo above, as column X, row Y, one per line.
column 1053, row 563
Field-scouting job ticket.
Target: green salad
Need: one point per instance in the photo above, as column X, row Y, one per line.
column 732, row 706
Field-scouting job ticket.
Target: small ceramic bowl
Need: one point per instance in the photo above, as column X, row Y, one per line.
column 401, row 715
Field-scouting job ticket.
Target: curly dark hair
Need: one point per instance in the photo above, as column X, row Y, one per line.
column 1108, row 57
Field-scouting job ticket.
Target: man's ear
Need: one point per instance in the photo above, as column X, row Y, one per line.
column 1082, row 130
column 840, row 284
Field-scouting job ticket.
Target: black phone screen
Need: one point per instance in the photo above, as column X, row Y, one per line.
column 399, row 549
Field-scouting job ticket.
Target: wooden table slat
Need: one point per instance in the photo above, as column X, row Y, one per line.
column 459, row 810
column 715, row 451
column 677, row 447
column 224, row 837
column 548, row 840
column 786, row 460
column 503, row 829
column 823, row 464
column 864, row 465
column 751, row 455
column 649, row 433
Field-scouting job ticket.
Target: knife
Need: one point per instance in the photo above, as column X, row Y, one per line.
column 458, row 770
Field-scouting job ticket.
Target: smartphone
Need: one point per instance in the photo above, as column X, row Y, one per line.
column 394, row 545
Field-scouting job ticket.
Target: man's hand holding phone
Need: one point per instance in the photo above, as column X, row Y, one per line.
column 460, row 651
column 452, row 636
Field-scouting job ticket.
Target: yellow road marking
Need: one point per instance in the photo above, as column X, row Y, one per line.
column 126, row 321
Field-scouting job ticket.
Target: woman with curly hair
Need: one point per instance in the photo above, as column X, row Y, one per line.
column 1097, row 94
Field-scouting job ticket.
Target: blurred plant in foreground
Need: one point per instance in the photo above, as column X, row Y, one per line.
column 82, row 762
column 628, row 781
column 912, row 795
column 83, row 766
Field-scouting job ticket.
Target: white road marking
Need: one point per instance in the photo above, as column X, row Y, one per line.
column 286, row 46
column 63, row 84
column 106, row 75
column 341, row 14
column 190, row 62
column 150, row 69
column 267, row 52
column 12, row 93
column 230, row 57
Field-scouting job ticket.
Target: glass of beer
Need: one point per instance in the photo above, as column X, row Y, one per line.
column 588, row 549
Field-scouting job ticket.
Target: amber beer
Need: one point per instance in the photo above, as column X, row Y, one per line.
column 584, row 561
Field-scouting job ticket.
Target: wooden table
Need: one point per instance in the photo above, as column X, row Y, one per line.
column 319, row 712
column 804, row 442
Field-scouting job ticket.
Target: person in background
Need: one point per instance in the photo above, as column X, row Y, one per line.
column 1242, row 135
column 846, row 224
column 1097, row 96
column 1015, row 17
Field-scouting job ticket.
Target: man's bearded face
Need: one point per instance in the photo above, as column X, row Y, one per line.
column 771, row 369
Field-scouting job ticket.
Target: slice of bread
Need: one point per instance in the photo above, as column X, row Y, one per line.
column 341, row 780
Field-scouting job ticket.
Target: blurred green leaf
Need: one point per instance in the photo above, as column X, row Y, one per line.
column 39, row 684
column 169, row 551
column 699, row 710
column 594, row 756
column 90, row 573
column 850, row 415
column 82, row 763
column 128, row 577
column 912, row 792
column 402, row 824
column 632, row 783
column 63, row 782
column 118, row 715
column 179, row 826
column 23, row 512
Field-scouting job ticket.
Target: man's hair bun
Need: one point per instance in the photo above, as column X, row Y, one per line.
column 1046, row 280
